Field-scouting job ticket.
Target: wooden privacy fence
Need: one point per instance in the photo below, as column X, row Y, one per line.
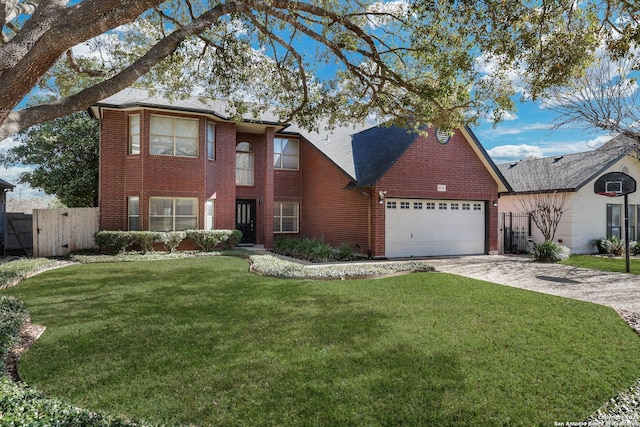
column 56, row 232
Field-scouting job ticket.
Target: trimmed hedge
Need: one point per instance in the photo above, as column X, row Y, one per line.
column 13, row 314
column 117, row 242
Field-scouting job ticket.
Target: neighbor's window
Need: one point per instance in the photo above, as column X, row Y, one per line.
column 285, row 217
column 244, row 164
column 286, row 154
column 173, row 136
column 211, row 141
column 134, row 134
column 134, row 213
column 173, row 213
column 614, row 221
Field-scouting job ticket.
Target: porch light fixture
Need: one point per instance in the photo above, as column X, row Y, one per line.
column 495, row 203
column 381, row 197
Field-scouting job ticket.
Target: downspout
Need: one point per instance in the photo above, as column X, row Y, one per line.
column 369, row 226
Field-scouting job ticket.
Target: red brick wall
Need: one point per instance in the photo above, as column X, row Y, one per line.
column 220, row 177
column 427, row 164
column 328, row 211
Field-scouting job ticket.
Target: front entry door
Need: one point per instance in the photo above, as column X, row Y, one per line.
column 246, row 219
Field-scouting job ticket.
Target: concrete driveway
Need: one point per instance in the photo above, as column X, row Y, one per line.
column 617, row 290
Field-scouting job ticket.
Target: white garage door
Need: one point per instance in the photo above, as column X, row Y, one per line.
column 425, row 227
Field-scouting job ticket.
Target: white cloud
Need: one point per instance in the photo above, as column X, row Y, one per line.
column 502, row 131
column 507, row 153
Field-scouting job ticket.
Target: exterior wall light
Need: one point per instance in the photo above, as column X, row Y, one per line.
column 381, row 197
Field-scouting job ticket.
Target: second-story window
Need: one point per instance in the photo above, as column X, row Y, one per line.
column 173, row 136
column 286, row 154
column 134, row 134
column 245, row 164
column 211, row 141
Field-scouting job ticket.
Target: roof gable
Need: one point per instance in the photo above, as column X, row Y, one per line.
column 375, row 150
column 569, row 172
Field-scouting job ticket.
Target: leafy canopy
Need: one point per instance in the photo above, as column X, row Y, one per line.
column 445, row 62
column 64, row 153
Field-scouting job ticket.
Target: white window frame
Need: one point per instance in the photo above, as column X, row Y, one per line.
column 171, row 216
column 279, row 156
column 208, row 215
column 175, row 138
column 133, row 211
column 248, row 172
column 134, row 135
column 278, row 217
column 211, row 140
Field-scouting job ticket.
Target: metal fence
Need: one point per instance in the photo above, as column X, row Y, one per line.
column 515, row 230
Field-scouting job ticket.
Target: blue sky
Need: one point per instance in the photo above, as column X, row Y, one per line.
column 528, row 132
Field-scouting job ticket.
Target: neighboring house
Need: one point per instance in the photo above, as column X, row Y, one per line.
column 4, row 187
column 588, row 216
column 184, row 164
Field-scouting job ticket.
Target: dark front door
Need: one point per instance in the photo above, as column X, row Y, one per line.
column 246, row 220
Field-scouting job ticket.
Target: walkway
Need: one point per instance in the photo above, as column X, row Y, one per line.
column 617, row 290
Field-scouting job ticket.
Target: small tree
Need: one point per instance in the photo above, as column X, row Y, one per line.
column 546, row 210
column 64, row 156
column 543, row 194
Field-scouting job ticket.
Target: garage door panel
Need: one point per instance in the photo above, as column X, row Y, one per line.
column 434, row 227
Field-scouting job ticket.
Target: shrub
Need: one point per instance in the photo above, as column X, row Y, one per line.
column 612, row 246
column 550, row 252
column 311, row 250
column 13, row 314
column 634, row 248
column 172, row 240
column 115, row 242
column 208, row 240
column 344, row 253
column 146, row 239
column 13, row 271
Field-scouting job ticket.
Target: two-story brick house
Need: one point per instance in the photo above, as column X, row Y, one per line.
column 184, row 164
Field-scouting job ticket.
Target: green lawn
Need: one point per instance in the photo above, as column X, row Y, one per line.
column 204, row 342
column 604, row 263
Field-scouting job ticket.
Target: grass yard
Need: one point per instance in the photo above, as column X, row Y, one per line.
column 204, row 342
column 604, row 263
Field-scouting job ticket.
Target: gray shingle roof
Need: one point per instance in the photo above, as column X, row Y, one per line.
column 568, row 172
column 6, row 185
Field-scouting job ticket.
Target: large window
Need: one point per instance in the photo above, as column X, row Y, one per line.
column 615, row 221
column 244, row 164
column 134, row 213
column 134, row 134
column 173, row 213
column 173, row 136
column 285, row 217
column 286, row 154
column 211, row 141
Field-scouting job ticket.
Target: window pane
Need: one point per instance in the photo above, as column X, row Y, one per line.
column 133, row 223
column 289, row 162
column 288, row 224
column 211, row 138
column 161, row 125
column 186, row 223
column 243, row 160
column 134, row 205
column 161, row 145
column 188, row 128
column 288, row 209
column 290, row 146
column 186, row 206
column 276, row 225
column 134, row 134
column 160, row 206
column 161, row 224
column 277, row 161
column 186, row 147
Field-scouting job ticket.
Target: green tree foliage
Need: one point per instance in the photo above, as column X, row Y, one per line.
column 64, row 153
column 446, row 63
